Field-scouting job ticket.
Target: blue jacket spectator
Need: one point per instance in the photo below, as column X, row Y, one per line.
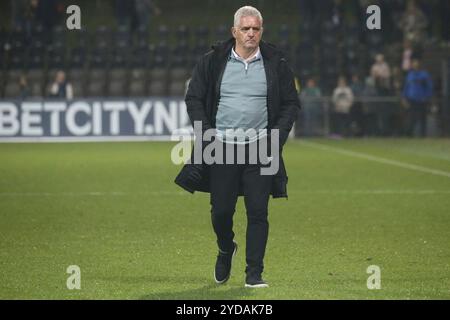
column 418, row 85
column 417, row 91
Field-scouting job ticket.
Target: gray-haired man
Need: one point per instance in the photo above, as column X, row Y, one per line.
column 243, row 83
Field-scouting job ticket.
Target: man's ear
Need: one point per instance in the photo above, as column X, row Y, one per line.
column 233, row 32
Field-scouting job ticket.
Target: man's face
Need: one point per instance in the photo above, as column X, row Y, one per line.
column 248, row 33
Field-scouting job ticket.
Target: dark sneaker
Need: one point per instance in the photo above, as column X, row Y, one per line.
column 255, row 282
column 223, row 265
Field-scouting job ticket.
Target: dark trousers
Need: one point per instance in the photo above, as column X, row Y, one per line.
column 225, row 182
column 417, row 116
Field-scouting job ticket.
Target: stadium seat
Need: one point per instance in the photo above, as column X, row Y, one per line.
column 36, row 75
column 158, row 80
column 177, row 88
column 182, row 33
column 78, row 89
column 13, row 75
column 222, row 32
column 75, row 75
column 118, row 74
column 36, row 55
column 17, row 37
column 36, row 89
column 137, row 89
column 56, row 55
column 201, row 33
column 17, row 57
column 117, row 88
column 162, row 48
column 100, row 55
column 78, row 57
column 142, row 36
column 36, row 80
column 200, row 48
column 180, row 54
column 11, row 90
column 178, row 73
column 96, row 82
column 284, row 32
column 103, row 34
column 285, row 47
column 163, row 32
column 59, row 35
column 95, row 89
column 81, row 38
column 374, row 39
column 39, row 33
column 157, row 88
column 140, row 57
column 122, row 35
column 160, row 61
column 119, row 58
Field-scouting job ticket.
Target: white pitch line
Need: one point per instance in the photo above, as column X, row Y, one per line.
column 365, row 156
column 82, row 194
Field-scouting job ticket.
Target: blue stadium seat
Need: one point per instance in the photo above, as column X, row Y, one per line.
column 163, row 32
column 182, row 33
column 222, row 32
column 56, row 55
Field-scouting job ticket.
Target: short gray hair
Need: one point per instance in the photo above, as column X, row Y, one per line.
column 245, row 12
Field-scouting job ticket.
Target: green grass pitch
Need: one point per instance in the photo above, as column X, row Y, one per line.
column 113, row 210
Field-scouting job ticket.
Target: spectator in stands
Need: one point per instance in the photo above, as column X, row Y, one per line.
column 47, row 13
column 24, row 88
column 312, row 109
column 144, row 9
column 407, row 55
column 370, row 107
column 125, row 11
column 61, row 88
column 24, row 14
column 356, row 112
column 413, row 23
column 343, row 100
column 417, row 92
column 135, row 14
column 382, row 74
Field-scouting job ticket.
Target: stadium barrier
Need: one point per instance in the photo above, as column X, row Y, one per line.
column 96, row 119
column 163, row 118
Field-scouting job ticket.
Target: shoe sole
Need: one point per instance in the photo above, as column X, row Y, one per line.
column 226, row 279
column 263, row 285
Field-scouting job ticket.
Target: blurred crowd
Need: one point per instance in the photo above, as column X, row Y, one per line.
column 385, row 103
column 357, row 92
column 387, row 100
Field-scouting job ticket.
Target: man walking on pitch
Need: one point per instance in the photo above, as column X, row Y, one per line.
column 243, row 83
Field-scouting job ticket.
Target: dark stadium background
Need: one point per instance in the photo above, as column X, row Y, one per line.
column 108, row 60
